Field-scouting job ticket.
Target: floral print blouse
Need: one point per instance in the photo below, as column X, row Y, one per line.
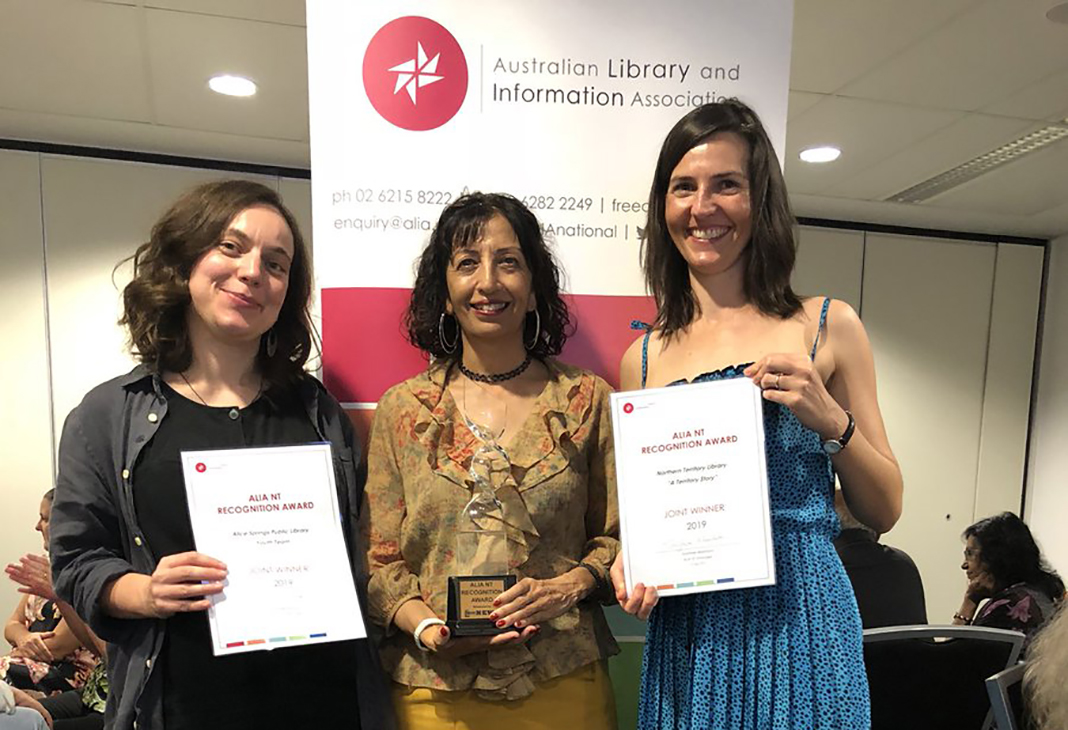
column 1019, row 607
column 558, row 499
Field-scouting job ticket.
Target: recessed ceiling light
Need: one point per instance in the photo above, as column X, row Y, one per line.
column 232, row 85
column 820, row 154
column 1058, row 12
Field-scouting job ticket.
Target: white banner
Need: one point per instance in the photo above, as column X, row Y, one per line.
column 562, row 104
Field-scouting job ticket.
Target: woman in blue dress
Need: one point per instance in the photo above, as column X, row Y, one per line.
column 718, row 257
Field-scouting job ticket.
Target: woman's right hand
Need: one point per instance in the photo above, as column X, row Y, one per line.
column 182, row 583
column 441, row 642
column 641, row 601
column 32, row 646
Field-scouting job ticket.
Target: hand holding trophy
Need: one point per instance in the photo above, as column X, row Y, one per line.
column 482, row 550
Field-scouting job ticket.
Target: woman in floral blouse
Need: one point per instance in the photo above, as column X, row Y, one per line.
column 486, row 308
column 1003, row 564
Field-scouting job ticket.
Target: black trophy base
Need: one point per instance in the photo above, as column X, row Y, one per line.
column 471, row 603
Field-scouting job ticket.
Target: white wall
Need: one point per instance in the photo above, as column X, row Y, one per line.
column 25, row 417
column 1047, row 478
column 952, row 325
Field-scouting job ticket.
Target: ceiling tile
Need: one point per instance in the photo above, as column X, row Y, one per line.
column 287, row 12
column 1046, row 99
column 77, row 58
column 994, row 49
column 801, row 101
column 921, row 216
column 866, row 131
column 948, row 147
column 836, row 41
column 1028, row 186
column 273, row 55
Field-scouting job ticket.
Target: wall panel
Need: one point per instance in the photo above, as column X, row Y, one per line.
column 830, row 262
column 927, row 312
column 25, row 422
column 1047, row 483
column 1007, row 392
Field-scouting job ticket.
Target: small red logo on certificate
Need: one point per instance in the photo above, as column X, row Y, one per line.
column 202, row 467
column 415, row 73
column 628, row 407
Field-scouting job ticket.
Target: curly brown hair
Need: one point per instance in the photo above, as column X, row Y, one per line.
column 156, row 301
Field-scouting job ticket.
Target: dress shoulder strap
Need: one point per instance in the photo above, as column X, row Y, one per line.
column 637, row 324
column 819, row 330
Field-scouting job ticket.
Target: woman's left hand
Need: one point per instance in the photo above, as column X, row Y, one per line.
column 34, row 574
column 533, row 601
column 792, row 380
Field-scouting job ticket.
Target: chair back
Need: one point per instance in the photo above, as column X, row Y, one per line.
column 934, row 677
column 1005, row 690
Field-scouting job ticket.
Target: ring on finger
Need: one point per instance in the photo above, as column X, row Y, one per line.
column 778, row 377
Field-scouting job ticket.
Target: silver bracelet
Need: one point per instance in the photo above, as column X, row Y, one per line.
column 432, row 621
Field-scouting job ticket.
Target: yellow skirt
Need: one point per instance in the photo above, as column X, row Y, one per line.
column 582, row 700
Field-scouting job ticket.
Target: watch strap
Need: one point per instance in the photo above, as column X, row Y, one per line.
column 848, row 433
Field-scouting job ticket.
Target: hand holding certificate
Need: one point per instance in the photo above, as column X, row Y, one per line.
column 271, row 514
column 693, row 487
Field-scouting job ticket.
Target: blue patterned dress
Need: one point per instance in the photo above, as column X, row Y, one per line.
column 782, row 657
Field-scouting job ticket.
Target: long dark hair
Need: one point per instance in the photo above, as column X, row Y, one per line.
column 1009, row 554
column 461, row 224
column 156, row 301
column 769, row 257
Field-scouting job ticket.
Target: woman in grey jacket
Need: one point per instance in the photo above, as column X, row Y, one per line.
column 217, row 313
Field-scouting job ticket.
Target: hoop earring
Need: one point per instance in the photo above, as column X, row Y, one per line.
column 272, row 343
column 537, row 332
column 448, row 347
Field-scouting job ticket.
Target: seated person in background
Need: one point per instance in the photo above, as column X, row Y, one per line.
column 1047, row 666
column 1004, row 565
column 886, row 582
column 19, row 711
column 74, row 709
column 47, row 656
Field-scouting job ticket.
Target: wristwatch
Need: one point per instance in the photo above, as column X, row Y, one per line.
column 833, row 446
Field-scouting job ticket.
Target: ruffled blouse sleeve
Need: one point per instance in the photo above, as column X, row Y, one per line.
column 602, row 512
column 391, row 582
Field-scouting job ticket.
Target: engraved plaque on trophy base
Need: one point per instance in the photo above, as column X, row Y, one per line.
column 471, row 603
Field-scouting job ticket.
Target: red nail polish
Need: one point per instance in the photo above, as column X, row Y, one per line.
column 519, row 624
column 500, row 624
column 493, row 617
column 496, row 602
column 444, row 631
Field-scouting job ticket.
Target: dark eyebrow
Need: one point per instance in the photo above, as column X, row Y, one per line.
column 717, row 176
column 241, row 236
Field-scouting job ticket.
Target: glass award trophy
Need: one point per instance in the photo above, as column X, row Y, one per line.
column 482, row 551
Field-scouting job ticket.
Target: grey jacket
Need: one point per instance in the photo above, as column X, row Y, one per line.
column 96, row 536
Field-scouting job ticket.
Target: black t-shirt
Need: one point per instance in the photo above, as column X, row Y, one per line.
column 289, row 687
